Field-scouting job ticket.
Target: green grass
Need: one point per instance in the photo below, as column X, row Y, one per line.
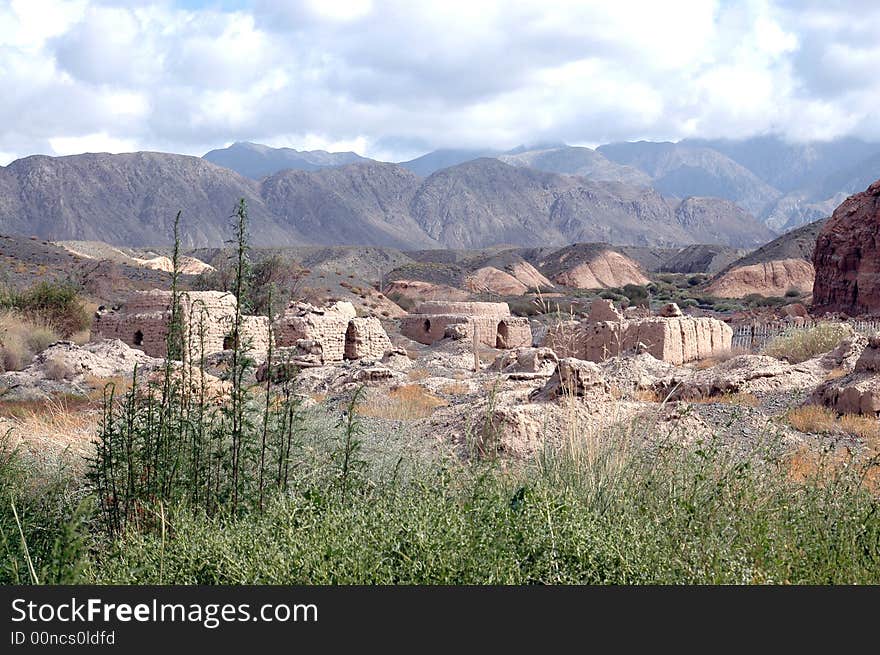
column 612, row 514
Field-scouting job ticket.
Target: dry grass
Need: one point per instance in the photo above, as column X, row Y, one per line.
column 719, row 358
column 812, row 419
column 821, row 420
column 406, row 403
column 741, row 399
column 648, row 396
column 416, row 374
column 57, row 369
column 82, row 337
column 21, row 338
column 456, row 388
column 799, row 345
column 835, row 374
column 54, row 429
column 120, row 384
column 866, row 428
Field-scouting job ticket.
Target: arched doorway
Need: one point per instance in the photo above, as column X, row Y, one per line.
column 138, row 339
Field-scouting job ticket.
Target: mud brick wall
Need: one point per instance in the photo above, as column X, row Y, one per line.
column 255, row 332
column 499, row 309
column 207, row 316
column 327, row 329
column 147, row 331
column 674, row 340
column 514, row 332
column 366, row 338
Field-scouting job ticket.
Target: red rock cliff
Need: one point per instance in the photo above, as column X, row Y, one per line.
column 847, row 257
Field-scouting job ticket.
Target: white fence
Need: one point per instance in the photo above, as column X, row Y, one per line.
column 753, row 336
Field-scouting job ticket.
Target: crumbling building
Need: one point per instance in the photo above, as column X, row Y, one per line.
column 490, row 323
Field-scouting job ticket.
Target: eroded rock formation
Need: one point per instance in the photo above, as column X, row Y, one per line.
column 773, row 278
column 847, row 257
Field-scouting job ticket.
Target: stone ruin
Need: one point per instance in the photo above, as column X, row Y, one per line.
column 331, row 334
column 490, row 322
column 208, row 317
column 328, row 334
column 670, row 337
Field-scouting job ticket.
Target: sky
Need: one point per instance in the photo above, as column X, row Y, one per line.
column 393, row 79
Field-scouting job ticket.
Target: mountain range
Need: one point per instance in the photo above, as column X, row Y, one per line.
column 131, row 199
column 782, row 184
column 739, row 194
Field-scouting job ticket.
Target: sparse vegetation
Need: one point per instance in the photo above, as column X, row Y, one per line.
column 285, row 278
column 53, row 304
column 405, row 403
column 21, row 338
column 799, row 345
column 822, row 420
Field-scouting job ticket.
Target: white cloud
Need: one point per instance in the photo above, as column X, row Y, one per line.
column 390, row 77
column 98, row 142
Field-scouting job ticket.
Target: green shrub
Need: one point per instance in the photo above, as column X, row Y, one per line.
column 43, row 522
column 636, row 294
column 55, row 304
column 680, row 516
column 800, row 344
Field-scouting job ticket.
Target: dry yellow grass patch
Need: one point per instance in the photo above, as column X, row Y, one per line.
column 416, row 374
column 812, row 418
column 719, row 358
column 835, row 374
column 649, row 396
column 455, row 388
column 819, row 419
column 864, row 427
column 50, row 428
column 806, row 464
column 741, row 399
column 406, row 403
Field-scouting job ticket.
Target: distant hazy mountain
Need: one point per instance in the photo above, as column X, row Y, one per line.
column 683, row 170
column 439, row 159
column 572, row 160
column 783, row 184
column 792, row 166
column 257, row 161
column 131, row 200
column 485, row 201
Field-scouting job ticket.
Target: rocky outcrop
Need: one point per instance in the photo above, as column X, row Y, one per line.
column 605, row 269
column 529, row 275
column 494, row 281
column 742, row 374
column 573, row 377
column 773, row 278
column 858, row 392
column 847, row 257
column 66, row 368
column 533, row 362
